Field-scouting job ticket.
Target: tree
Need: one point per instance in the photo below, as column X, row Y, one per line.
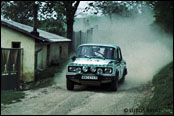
column 163, row 13
column 52, row 25
column 22, row 12
column 122, row 8
column 70, row 10
column 62, row 8
column 18, row 11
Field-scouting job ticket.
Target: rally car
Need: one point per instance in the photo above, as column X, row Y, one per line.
column 96, row 64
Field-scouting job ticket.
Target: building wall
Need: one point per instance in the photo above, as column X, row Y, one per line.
column 42, row 56
column 58, row 52
column 51, row 53
column 28, row 44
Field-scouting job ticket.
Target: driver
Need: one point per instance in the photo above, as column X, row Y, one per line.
column 96, row 52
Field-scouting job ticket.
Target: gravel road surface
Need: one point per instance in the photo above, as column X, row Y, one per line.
column 91, row 100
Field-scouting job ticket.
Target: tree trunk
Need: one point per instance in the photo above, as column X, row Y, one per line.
column 70, row 12
column 70, row 33
column 70, row 29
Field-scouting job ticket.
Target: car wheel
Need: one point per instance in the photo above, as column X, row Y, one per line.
column 114, row 85
column 69, row 84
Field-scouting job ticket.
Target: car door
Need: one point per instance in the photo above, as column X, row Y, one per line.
column 119, row 62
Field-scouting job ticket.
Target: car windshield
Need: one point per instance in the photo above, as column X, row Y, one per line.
column 90, row 51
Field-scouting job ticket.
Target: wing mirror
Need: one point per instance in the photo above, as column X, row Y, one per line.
column 118, row 60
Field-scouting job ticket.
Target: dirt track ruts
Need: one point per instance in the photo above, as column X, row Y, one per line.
column 57, row 100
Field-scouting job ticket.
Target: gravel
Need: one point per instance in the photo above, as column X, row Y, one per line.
column 56, row 100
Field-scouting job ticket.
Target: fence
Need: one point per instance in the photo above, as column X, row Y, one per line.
column 82, row 37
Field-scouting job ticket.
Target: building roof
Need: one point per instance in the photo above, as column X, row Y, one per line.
column 25, row 29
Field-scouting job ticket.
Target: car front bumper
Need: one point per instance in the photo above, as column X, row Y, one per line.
column 101, row 79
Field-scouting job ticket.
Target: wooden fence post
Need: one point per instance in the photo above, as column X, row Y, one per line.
column 80, row 41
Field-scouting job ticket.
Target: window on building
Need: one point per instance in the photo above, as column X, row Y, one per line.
column 16, row 44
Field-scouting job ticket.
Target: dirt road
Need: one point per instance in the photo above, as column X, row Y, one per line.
column 57, row 100
column 145, row 50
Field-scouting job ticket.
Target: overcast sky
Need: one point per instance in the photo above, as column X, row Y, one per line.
column 81, row 8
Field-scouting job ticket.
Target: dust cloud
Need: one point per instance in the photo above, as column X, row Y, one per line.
column 145, row 47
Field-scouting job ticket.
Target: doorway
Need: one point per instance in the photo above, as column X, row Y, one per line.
column 11, row 68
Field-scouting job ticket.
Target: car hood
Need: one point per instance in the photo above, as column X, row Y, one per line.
column 91, row 61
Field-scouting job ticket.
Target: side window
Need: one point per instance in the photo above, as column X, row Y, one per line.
column 116, row 53
column 119, row 53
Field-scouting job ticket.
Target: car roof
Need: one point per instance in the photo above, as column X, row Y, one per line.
column 93, row 44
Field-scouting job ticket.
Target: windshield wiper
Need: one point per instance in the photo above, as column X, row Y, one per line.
column 87, row 56
column 84, row 56
column 99, row 57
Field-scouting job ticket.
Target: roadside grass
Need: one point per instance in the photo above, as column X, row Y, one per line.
column 47, row 73
column 51, row 71
column 162, row 101
column 45, row 78
column 11, row 96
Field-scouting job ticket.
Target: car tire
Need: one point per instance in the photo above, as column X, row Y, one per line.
column 69, row 84
column 114, row 85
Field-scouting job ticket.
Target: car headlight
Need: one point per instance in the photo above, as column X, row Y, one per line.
column 108, row 70
column 85, row 69
column 71, row 69
column 74, row 69
column 93, row 69
column 99, row 71
column 78, row 70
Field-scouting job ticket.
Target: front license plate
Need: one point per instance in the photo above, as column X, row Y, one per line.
column 89, row 77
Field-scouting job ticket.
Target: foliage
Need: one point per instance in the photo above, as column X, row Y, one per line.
column 122, row 8
column 163, row 13
column 52, row 25
column 70, row 10
column 11, row 96
column 18, row 11
column 63, row 9
column 161, row 103
column 50, row 16
column 163, row 93
column 163, row 10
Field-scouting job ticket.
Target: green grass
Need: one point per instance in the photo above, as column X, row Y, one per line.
column 11, row 96
column 162, row 101
column 47, row 73
column 45, row 78
column 51, row 71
